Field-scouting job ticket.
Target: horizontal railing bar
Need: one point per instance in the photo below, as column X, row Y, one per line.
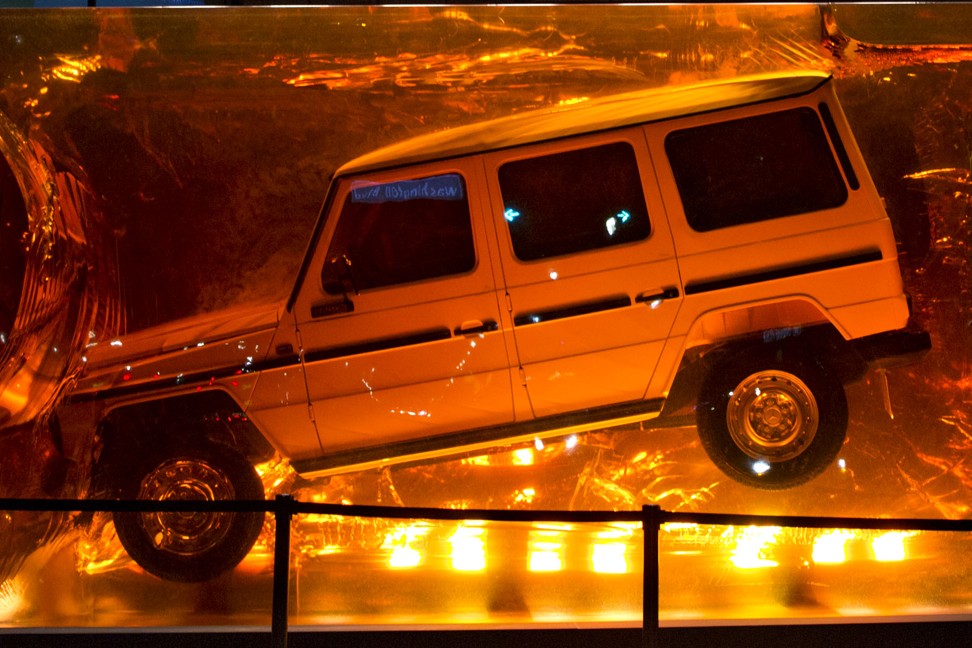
column 137, row 506
column 468, row 514
column 818, row 522
column 296, row 507
column 400, row 513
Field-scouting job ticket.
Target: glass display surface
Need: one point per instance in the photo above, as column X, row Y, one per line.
column 158, row 165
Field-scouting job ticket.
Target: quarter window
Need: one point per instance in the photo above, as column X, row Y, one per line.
column 398, row 232
column 754, row 169
column 574, row 201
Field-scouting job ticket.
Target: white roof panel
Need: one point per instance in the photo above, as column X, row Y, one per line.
column 588, row 117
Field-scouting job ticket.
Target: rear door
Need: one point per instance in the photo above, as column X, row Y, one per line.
column 398, row 316
column 767, row 208
column 589, row 267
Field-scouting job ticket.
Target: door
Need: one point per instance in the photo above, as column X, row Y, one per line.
column 589, row 267
column 398, row 315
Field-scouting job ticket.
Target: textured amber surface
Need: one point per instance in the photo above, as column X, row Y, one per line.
column 173, row 162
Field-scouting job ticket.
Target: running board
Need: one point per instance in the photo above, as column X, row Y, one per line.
column 475, row 441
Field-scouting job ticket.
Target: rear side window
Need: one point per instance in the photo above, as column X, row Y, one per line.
column 399, row 232
column 754, row 169
column 574, row 201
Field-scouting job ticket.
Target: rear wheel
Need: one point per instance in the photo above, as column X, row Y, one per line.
column 191, row 547
column 771, row 421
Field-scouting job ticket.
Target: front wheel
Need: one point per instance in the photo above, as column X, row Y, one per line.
column 191, row 547
column 771, row 421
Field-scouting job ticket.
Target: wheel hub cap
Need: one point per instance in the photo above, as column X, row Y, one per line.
column 186, row 480
column 772, row 415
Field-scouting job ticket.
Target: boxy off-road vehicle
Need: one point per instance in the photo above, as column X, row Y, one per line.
column 548, row 272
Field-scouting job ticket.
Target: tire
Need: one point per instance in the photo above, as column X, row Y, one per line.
column 771, row 420
column 191, row 547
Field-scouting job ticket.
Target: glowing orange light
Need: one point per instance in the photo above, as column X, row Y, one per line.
column 523, row 457
column 546, row 557
column 468, row 548
column 890, row 547
column 525, row 496
column 547, row 549
column 11, row 598
column 830, row 548
column 609, row 558
column 404, row 555
column 752, row 545
column 405, row 558
column 74, row 69
column 609, row 554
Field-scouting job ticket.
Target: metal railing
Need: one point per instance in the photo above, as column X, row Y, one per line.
column 651, row 517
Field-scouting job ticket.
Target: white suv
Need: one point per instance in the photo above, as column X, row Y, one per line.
column 559, row 270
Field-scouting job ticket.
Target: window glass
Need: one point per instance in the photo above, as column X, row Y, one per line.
column 754, row 169
column 575, row 201
column 399, row 232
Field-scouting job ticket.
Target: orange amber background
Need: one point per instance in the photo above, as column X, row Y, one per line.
column 174, row 161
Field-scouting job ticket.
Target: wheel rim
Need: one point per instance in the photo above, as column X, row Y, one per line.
column 187, row 480
column 772, row 415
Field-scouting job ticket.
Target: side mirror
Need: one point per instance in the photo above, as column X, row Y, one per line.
column 340, row 277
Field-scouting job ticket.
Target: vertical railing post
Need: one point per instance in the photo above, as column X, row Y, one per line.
column 651, row 523
column 283, row 512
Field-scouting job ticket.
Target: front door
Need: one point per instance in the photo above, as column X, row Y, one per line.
column 398, row 316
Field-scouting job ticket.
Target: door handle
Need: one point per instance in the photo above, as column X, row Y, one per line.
column 475, row 327
column 656, row 296
column 332, row 308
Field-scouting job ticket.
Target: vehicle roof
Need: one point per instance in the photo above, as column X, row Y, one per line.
column 591, row 116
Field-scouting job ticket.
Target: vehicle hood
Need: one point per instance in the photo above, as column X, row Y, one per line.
column 220, row 342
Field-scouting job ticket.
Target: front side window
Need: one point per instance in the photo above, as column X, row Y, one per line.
column 754, row 169
column 398, row 232
column 574, row 201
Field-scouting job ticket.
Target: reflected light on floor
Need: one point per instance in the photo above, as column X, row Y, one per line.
column 752, row 545
column 405, row 558
column 402, row 542
column 609, row 554
column 890, row 547
column 469, row 547
column 830, row 548
column 546, row 550
column 610, row 558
